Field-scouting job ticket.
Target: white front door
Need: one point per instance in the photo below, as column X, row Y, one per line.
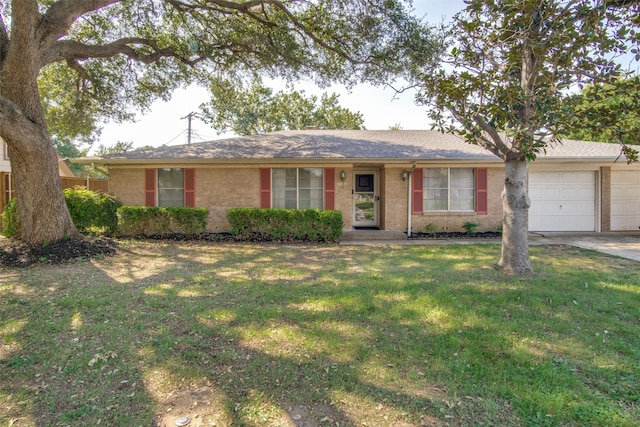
column 562, row 201
column 365, row 199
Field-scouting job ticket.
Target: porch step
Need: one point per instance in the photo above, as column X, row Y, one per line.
column 372, row 235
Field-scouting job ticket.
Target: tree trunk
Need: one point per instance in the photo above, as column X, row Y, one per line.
column 42, row 210
column 515, row 218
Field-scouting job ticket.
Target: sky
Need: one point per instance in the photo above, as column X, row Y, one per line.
column 380, row 107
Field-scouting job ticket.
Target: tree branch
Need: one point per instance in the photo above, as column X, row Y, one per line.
column 60, row 16
column 71, row 50
column 495, row 145
column 248, row 7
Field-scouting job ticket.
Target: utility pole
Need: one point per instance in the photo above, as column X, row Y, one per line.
column 189, row 117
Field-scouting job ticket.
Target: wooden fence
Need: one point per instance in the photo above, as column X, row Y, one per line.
column 7, row 191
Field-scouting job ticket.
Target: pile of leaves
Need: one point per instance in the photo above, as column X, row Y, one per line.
column 18, row 254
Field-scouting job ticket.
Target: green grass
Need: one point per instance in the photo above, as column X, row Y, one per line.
column 254, row 335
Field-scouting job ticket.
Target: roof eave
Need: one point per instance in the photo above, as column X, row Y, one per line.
column 99, row 161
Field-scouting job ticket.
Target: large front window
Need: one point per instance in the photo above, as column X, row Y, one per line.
column 170, row 187
column 448, row 189
column 297, row 188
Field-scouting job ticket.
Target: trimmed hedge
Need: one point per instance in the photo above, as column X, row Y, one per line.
column 286, row 224
column 92, row 213
column 153, row 220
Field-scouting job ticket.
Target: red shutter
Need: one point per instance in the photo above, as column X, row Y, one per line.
column 481, row 191
column 329, row 188
column 190, row 187
column 265, row 187
column 416, row 192
column 150, row 187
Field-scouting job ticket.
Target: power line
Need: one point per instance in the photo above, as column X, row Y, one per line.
column 189, row 116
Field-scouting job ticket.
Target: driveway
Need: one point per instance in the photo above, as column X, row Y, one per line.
column 622, row 244
column 625, row 245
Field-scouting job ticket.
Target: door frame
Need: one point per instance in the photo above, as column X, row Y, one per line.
column 376, row 198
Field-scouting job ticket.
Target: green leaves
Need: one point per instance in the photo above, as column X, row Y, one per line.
column 511, row 63
column 122, row 56
column 605, row 112
column 154, row 220
column 258, row 110
column 314, row 225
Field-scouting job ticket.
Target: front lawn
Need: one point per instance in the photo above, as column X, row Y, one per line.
column 298, row 335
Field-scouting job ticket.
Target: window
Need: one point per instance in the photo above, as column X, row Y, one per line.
column 170, row 187
column 448, row 189
column 297, row 188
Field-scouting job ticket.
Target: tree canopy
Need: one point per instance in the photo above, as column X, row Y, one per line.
column 123, row 55
column 502, row 83
column 259, row 110
column 606, row 112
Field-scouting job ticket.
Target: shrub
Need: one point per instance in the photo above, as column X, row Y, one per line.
column 286, row 224
column 10, row 224
column 92, row 213
column 470, row 227
column 153, row 220
column 430, row 228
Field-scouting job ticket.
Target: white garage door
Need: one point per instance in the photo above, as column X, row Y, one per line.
column 625, row 200
column 562, row 201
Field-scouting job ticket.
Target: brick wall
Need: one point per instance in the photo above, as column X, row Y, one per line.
column 343, row 196
column 395, row 193
column 127, row 185
column 221, row 189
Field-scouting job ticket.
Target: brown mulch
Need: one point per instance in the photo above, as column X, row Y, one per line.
column 18, row 254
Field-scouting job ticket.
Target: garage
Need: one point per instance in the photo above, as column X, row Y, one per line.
column 562, row 201
column 625, row 200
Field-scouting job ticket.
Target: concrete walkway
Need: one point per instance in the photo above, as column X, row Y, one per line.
column 622, row 244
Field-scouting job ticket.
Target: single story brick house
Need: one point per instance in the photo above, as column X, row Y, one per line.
column 392, row 180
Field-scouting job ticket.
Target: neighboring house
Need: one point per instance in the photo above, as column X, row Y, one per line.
column 392, row 180
column 6, row 181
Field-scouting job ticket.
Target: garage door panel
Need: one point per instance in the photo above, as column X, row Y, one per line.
column 625, row 200
column 564, row 201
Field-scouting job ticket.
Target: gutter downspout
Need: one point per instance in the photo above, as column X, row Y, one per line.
column 410, row 193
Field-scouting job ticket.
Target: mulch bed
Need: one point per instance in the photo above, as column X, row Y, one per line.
column 457, row 235
column 18, row 254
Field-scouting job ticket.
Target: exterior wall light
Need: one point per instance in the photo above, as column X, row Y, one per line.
column 343, row 175
column 404, row 175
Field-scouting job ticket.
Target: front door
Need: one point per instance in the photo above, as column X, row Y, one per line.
column 365, row 199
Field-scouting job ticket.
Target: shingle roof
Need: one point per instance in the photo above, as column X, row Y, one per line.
column 352, row 145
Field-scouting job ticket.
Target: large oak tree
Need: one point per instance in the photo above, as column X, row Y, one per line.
column 103, row 56
column 510, row 63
